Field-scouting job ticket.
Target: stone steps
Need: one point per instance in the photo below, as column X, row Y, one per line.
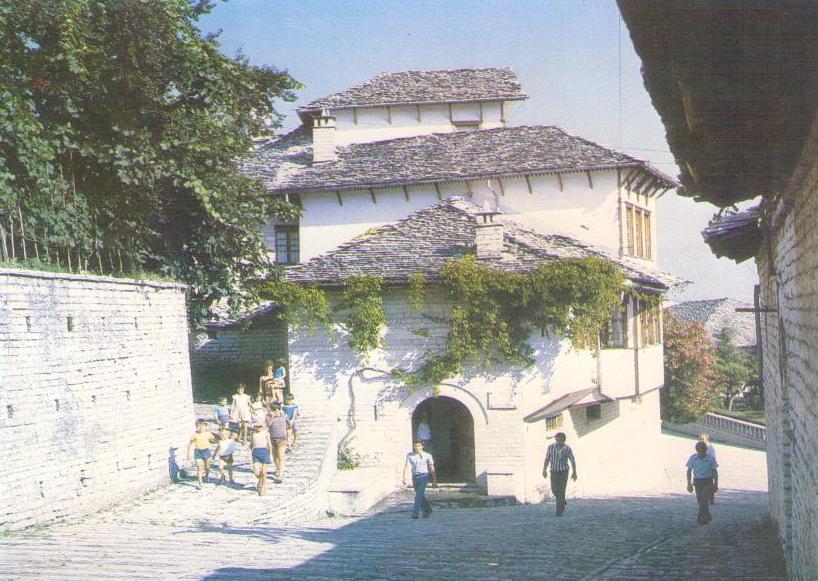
column 301, row 494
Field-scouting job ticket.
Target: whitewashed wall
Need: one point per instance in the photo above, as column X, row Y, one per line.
column 369, row 124
column 580, row 211
column 508, row 452
column 95, row 392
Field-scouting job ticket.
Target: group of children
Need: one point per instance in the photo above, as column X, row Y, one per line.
column 268, row 422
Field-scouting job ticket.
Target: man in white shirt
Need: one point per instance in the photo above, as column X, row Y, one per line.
column 424, row 433
column 422, row 466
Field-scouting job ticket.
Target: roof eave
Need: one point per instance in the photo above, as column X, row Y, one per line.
column 306, row 111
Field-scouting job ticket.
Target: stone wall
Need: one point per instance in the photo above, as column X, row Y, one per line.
column 788, row 271
column 95, row 394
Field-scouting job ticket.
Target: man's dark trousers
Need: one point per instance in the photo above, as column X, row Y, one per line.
column 559, row 480
column 704, row 490
column 419, row 482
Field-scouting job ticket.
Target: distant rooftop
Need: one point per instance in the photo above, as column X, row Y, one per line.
column 717, row 314
column 424, row 241
column 416, row 87
column 440, row 157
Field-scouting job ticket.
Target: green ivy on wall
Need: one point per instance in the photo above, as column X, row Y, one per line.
column 365, row 316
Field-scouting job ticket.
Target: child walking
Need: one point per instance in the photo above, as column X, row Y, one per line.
column 199, row 447
column 293, row 413
column 278, row 426
column 222, row 412
column 262, row 446
column 241, row 412
column 224, row 454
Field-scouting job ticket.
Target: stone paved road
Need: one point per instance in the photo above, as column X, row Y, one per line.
column 651, row 536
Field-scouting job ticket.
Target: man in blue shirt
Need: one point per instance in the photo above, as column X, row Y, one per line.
column 704, row 470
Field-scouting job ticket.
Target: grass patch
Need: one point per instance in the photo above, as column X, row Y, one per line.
column 754, row 416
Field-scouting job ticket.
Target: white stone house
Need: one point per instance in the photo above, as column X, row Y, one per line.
column 429, row 149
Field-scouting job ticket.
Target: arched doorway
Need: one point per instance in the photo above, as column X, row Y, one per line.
column 452, row 430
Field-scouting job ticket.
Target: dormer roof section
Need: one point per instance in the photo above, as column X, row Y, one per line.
column 425, row 87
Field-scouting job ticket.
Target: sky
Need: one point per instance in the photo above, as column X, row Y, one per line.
column 574, row 58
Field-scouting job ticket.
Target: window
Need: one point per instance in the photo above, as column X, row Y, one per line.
column 650, row 325
column 286, row 241
column 593, row 412
column 638, row 230
column 615, row 334
column 553, row 423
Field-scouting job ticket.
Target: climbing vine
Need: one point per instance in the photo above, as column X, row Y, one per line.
column 300, row 305
column 365, row 317
column 492, row 315
column 494, row 311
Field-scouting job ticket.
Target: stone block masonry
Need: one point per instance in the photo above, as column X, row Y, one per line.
column 95, row 393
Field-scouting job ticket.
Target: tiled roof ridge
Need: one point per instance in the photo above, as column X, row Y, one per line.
column 504, row 86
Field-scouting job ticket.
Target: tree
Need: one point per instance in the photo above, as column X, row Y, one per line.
column 737, row 369
column 690, row 375
column 119, row 125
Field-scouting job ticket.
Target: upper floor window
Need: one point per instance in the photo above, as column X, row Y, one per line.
column 286, row 244
column 615, row 334
column 650, row 324
column 638, row 231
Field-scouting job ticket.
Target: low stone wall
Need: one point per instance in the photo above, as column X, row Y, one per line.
column 95, row 393
column 725, row 429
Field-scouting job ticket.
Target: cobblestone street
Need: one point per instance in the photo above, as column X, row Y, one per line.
column 650, row 536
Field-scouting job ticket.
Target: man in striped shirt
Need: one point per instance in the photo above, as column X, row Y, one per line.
column 559, row 455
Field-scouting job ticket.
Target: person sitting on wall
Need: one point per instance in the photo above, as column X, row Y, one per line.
column 241, row 413
column 199, row 445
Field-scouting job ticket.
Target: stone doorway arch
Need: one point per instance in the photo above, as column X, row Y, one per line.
column 452, row 427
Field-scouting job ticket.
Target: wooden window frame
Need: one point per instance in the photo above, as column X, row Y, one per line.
column 292, row 244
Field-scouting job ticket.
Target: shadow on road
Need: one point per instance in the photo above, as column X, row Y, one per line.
column 605, row 538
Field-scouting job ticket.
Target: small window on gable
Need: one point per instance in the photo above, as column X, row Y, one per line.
column 593, row 412
column 639, row 240
column 553, row 423
column 467, row 125
column 287, row 245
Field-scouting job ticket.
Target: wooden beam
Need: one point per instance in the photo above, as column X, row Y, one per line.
column 437, row 190
column 389, row 115
column 645, row 179
column 629, row 179
column 590, row 180
column 559, row 181
column 502, row 111
column 481, row 111
column 372, row 195
column 355, row 115
column 451, row 119
column 338, row 195
column 528, row 183
column 502, row 189
column 468, row 189
column 405, row 193
column 417, row 110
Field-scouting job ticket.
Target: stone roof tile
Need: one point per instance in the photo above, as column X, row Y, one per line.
column 424, row 241
column 284, row 165
column 717, row 314
column 414, row 87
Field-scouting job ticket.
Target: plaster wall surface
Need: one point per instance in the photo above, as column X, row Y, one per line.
column 788, row 271
column 369, row 124
column 376, row 410
column 95, row 392
column 590, row 214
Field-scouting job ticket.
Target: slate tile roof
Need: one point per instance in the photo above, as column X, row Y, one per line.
column 716, row 314
column 735, row 235
column 424, row 241
column 284, row 165
column 415, row 87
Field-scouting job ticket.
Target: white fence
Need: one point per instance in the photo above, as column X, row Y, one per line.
column 725, row 429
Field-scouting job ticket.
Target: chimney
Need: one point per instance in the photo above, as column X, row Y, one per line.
column 488, row 233
column 323, row 138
